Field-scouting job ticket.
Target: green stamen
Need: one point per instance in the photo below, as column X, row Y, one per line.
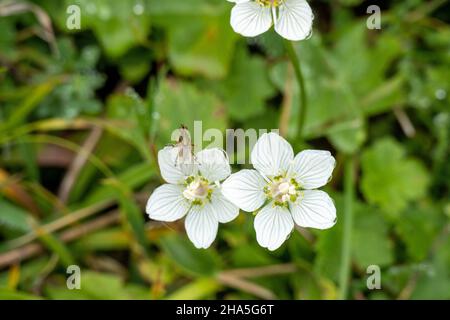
column 198, row 190
column 282, row 190
column 269, row 3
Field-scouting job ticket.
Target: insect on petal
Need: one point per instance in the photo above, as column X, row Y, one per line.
column 172, row 170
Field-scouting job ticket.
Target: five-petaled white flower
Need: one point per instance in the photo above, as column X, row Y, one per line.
column 283, row 186
column 193, row 189
column 292, row 18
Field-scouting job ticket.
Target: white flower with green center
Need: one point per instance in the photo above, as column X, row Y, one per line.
column 283, row 188
column 193, row 190
column 292, row 18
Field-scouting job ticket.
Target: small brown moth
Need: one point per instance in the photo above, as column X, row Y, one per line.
column 185, row 153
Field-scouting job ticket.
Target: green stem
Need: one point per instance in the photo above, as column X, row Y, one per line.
column 349, row 191
column 301, row 83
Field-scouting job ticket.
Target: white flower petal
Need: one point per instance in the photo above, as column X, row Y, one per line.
column 245, row 189
column 313, row 168
column 201, row 225
column 250, row 18
column 167, row 203
column 294, row 20
column 272, row 154
column 225, row 211
column 173, row 170
column 213, row 164
column 314, row 210
column 238, row 1
column 272, row 226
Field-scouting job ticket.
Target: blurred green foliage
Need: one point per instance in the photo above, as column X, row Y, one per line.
column 83, row 115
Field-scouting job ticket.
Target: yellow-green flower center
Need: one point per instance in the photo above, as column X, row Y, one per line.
column 198, row 190
column 269, row 3
column 282, row 190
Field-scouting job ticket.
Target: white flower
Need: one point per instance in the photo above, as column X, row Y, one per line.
column 193, row 190
column 283, row 186
column 292, row 18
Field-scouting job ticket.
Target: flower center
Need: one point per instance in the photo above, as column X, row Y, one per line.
column 198, row 190
column 269, row 3
column 282, row 190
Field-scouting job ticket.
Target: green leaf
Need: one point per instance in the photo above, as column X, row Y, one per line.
column 348, row 136
column 104, row 240
column 184, row 254
column 101, row 285
column 133, row 178
column 97, row 286
column 58, row 247
column 418, row 228
column 117, row 24
column 370, row 241
column 7, row 37
column 200, row 39
column 342, row 91
column 180, row 102
column 14, row 218
column 198, row 289
column 328, row 247
column 390, row 179
column 62, row 293
column 435, row 284
column 77, row 90
column 250, row 256
column 131, row 111
column 247, row 87
column 131, row 213
column 167, row 12
column 7, row 294
column 32, row 100
column 202, row 47
column 135, row 65
column 306, row 286
column 29, row 154
column 30, row 272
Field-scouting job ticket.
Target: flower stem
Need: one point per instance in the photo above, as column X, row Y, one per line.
column 301, row 82
column 349, row 191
